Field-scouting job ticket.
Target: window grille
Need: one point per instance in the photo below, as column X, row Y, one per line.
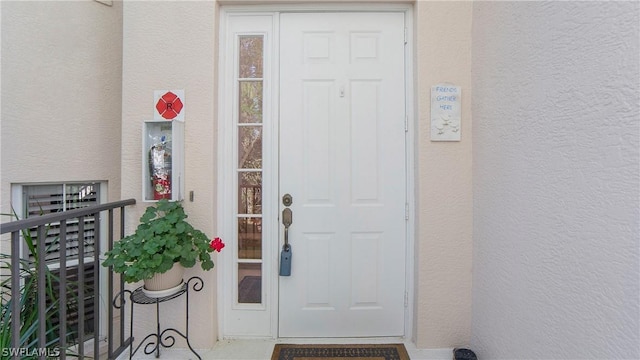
column 46, row 199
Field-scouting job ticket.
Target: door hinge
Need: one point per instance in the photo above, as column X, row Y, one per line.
column 406, row 123
column 406, row 211
column 405, row 36
column 406, row 299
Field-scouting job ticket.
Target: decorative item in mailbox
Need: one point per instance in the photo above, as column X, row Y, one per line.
column 160, row 168
column 163, row 160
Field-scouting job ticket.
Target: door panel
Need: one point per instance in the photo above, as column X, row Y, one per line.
column 342, row 158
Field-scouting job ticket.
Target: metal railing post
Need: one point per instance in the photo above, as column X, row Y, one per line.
column 42, row 305
column 110, row 338
column 96, row 286
column 15, row 295
column 63, row 289
column 81, row 338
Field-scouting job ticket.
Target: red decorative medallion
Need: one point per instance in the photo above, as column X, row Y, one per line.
column 169, row 106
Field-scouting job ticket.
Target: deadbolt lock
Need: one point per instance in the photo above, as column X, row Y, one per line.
column 287, row 200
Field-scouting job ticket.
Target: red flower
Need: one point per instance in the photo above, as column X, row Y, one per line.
column 216, row 244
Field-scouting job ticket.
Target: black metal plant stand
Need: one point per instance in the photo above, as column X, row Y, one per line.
column 159, row 338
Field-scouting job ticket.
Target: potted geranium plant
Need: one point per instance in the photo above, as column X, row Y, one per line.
column 163, row 241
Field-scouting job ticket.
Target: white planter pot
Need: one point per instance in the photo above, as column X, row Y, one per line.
column 166, row 283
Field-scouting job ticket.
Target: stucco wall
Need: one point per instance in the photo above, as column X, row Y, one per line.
column 61, row 93
column 180, row 54
column 556, row 180
column 62, row 78
column 443, row 240
column 172, row 45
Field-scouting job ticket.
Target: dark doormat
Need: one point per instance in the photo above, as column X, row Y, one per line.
column 337, row 352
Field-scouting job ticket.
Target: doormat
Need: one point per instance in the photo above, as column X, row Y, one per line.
column 250, row 290
column 337, row 352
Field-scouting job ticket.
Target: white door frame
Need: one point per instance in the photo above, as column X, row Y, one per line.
column 226, row 222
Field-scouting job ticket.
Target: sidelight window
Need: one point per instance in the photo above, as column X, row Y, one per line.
column 249, row 137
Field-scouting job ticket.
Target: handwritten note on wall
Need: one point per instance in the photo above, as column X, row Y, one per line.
column 445, row 113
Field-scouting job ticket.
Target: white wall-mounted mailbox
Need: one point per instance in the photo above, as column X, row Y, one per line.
column 163, row 160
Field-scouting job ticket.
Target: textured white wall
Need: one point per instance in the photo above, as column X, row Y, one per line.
column 171, row 45
column 443, row 237
column 556, row 180
column 61, row 93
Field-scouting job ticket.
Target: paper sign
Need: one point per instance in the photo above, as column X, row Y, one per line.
column 445, row 113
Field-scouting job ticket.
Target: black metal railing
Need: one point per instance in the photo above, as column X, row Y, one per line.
column 48, row 311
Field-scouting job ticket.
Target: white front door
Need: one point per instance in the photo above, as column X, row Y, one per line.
column 342, row 159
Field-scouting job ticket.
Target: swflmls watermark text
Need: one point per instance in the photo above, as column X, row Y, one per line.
column 49, row 353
